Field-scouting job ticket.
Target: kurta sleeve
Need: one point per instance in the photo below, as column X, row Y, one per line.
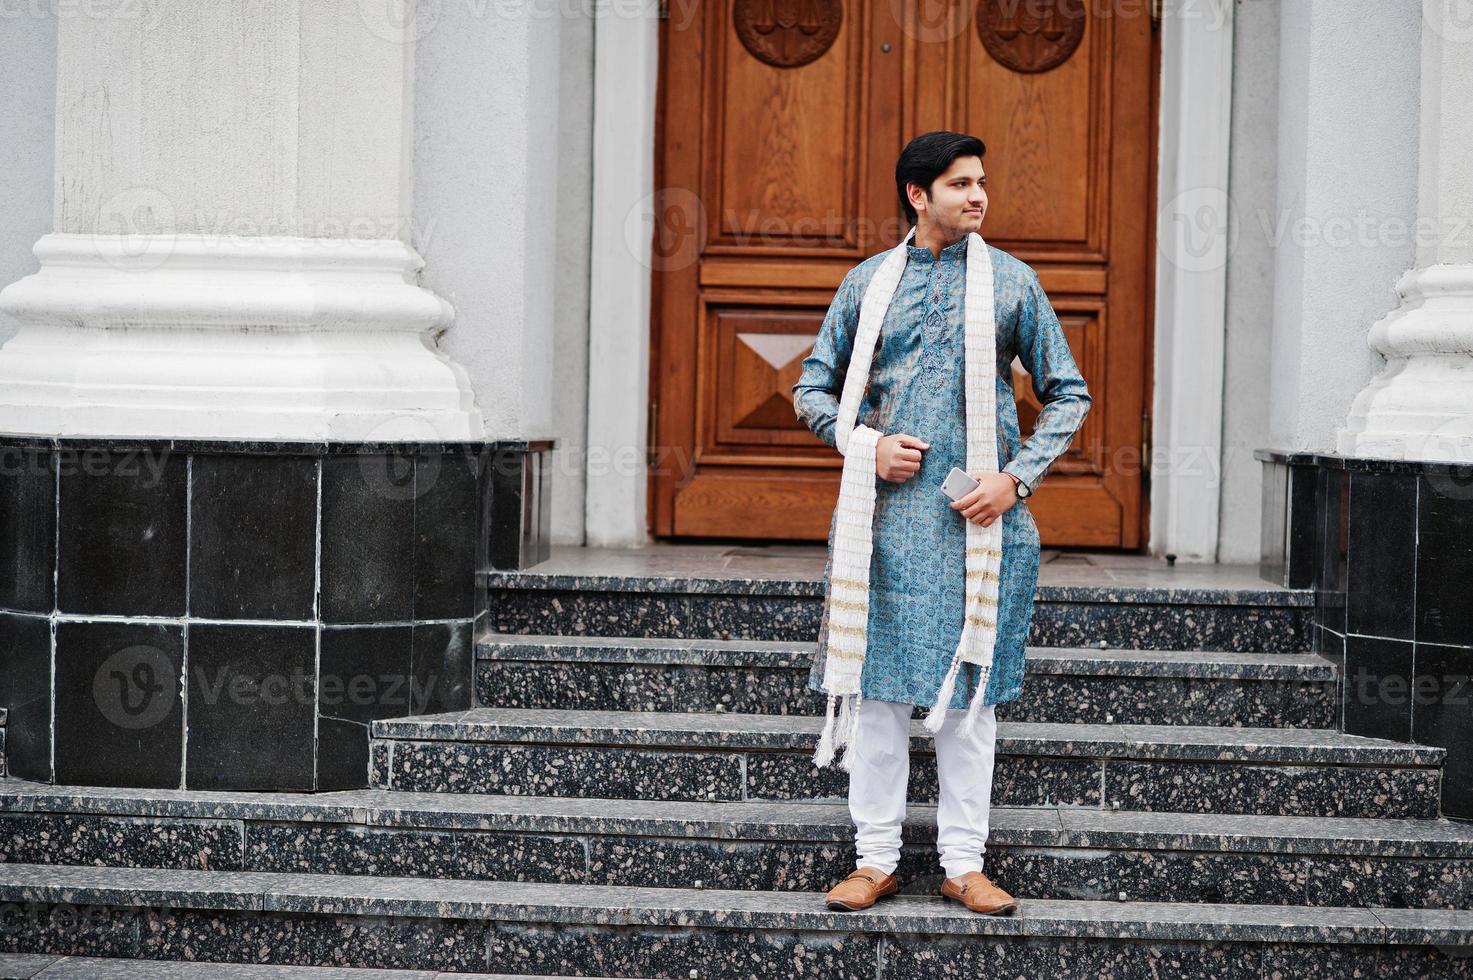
column 816, row 395
column 1044, row 351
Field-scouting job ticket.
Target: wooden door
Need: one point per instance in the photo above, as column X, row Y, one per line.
column 780, row 123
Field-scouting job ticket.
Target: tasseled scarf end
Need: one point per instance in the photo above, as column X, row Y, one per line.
column 936, row 717
column 841, row 731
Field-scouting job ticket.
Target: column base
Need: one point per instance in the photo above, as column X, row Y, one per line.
column 232, row 615
column 1384, row 544
column 1420, row 406
column 170, row 336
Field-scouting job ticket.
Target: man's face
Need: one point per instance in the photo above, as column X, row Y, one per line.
column 958, row 200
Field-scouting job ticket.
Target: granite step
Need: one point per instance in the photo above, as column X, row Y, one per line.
column 44, row 966
column 1064, row 685
column 709, row 934
column 722, row 756
column 1042, row 852
column 1261, row 617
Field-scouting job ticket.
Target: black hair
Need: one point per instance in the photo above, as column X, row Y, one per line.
column 926, row 157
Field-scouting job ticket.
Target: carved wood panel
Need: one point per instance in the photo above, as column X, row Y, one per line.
column 780, row 167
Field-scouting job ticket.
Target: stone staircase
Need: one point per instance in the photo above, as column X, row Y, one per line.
column 634, row 796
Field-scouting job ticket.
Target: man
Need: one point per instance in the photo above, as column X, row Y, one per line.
column 916, row 397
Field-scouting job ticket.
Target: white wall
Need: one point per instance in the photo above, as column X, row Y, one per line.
column 502, row 191
column 266, row 119
column 27, row 139
column 1349, row 84
column 1252, row 186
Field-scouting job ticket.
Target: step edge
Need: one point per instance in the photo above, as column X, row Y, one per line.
column 618, row 905
column 1011, row 826
column 733, row 731
column 1056, row 661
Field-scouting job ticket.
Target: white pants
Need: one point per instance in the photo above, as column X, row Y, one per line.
column 877, row 785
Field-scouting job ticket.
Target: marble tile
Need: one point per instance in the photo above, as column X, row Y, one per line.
column 136, row 842
column 25, row 690
column 96, row 968
column 1332, row 503
column 342, row 755
column 130, row 888
column 442, row 667
column 1444, row 562
column 1339, row 962
column 1229, row 628
column 124, row 520
column 918, row 958
column 251, row 707
column 23, row 966
column 380, row 771
column 365, row 673
column 446, row 531
column 28, row 533
column 540, row 770
column 253, row 537
column 1442, row 714
column 1046, row 697
column 1272, row 789
column 1381, row 555
column 398, row 943
column 368, row 539
column 118, row 706
column 67, row 927
column 1378, row 687
column 740, row 569
column 23, row 796
column 384, row 851
column 767, row 617
column 727, row 954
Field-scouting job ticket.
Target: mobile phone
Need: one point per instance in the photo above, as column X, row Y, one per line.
column 958, row 483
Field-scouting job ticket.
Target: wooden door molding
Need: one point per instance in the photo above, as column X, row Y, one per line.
column 777, row 179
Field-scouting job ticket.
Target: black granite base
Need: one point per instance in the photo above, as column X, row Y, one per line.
column 1388, row 547
column 1165, row 769
column 1042, row 853
column 572, row 930
column 1065, row 617
column 1079, row 686
column 301, row 590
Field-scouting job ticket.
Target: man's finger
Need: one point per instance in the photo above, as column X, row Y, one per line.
column 975, row 509
column 968, row 499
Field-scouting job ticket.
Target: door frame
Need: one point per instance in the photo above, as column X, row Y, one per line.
column 1196, row 53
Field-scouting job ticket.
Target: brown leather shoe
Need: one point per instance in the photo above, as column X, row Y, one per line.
column 861, row 889
column 977, row 893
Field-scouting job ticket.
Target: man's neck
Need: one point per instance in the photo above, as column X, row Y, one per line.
column 933, row 238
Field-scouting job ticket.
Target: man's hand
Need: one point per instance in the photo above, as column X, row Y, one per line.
column 898, row 456
column 994, row 494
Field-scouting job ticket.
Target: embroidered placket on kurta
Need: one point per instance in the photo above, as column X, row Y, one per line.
column 916, row 386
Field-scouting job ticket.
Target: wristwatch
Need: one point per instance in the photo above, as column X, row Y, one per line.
column 1022, row 487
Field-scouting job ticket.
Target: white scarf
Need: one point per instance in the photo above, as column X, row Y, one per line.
column 847, row 608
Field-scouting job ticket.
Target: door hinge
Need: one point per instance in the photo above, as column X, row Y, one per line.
column 1156, row 6
column 665, row 9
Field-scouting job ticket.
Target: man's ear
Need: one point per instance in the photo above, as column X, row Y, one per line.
column 918, row 199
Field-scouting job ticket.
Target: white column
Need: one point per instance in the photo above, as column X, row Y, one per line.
column 230, row 254
column 1348, row 93
column 1420, row 405
column 1191, row 281
column 626, row 60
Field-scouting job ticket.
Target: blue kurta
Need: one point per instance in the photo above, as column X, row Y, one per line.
column 916, row 386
